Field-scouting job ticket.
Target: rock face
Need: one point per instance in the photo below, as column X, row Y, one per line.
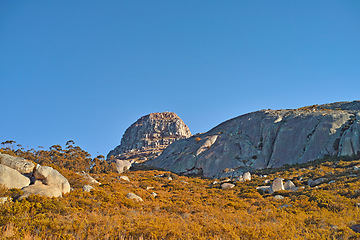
column 149, row 136
column 11, row 178
column 266, row 139
column 20, row 164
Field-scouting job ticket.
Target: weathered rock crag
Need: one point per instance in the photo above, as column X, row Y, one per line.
column 266, row 139
column 149, row 136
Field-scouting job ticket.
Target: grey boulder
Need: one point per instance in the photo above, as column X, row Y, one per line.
column 134, row 197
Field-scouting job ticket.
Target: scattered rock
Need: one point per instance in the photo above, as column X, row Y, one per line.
column 357, row 167
column 124, row 178
column 318, row 181
column 169, row 178
column 214, row 182
column 247, row 176
column 123, row 165
column 88, row 178
column 41, row 189
column 52, row 177
column 332, row 181
column 149, row 188
column 355, row 228
column 267, row 181
column 5, row 200
column 263, row 188
column 335, row 227
column 19, row 164
column 277, row 185
column 289, row 185
column 154, row 194
column 278, row 197
column 239, row 179
column 227, row 185
column 87, row 188
column 11, row 178
column 184, row 181
column 134, row 197
column 285, row 205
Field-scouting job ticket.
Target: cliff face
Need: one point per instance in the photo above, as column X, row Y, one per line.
column 150, row 135
column 265, row 139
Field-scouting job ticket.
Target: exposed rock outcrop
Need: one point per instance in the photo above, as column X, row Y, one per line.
column 149, row 136
column 266, row 139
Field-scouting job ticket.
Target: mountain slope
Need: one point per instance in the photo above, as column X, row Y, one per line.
column 266, row 139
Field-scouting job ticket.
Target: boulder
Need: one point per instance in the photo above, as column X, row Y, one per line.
column 278, row 197
column 5, row 200
column 124, row 178
column 263, row 188
column 227, row 185
column 277, row 185
column 318, row 181
column 52, row 177
column 289, row 185
column 247, row 176
column 123, row 165
column 41, row 189
column 19, row 164
column 11, row 178
column 88, row 178
column 87, row 188
column 154, row 194
column 134, row 197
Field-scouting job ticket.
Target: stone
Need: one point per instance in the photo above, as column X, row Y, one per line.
column 355, row 228
column 134, row 197
column 4, row 200
column 239, row 179
column 19, row 164
column 247, row 176
column 87, row 188
column 41, row 189
column 357, row 167
column 88, row 178
column 149, row 188
column 227, row 185
column 316, row 182
column 10, row 178
column 263, row 188
column 124, row 178
column 267, row 181
column 278, row 197
column 154, row 194
column 52, row 177
column 149, row 136
column 277, row 185
column 289, row 185
column 302, row 135
column 123, row 165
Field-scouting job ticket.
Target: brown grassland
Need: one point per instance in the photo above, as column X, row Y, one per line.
column 186, row 207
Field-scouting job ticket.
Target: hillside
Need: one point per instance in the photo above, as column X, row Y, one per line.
column 180, row 207
column 267, row 139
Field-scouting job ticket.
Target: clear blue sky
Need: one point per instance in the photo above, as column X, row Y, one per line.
column 86, row 70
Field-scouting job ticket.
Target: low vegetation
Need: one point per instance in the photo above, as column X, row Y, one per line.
column 185, row 207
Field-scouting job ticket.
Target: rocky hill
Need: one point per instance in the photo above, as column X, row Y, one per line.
column 149, row 136
column 267, row 139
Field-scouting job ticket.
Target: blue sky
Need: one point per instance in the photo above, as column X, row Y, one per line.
column 86, row 70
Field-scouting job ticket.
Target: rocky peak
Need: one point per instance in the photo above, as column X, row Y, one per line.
column 150, row 135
